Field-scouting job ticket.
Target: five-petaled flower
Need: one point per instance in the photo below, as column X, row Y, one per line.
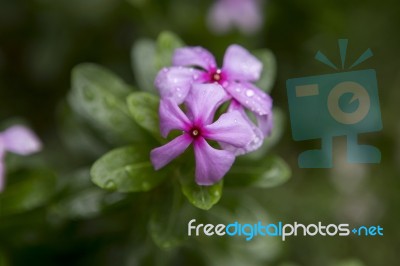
column 246, row 15
column 197, row 126
column 16, row 139
column 193, row 65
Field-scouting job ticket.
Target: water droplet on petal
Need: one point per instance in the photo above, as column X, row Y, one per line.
column 249, row 93
column 165, row 69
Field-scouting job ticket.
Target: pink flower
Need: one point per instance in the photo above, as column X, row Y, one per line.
column 197, row 126
column 244, row 14
column 19, row 140
column 193, row 65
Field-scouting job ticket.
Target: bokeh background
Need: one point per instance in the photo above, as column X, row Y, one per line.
column 42, row 40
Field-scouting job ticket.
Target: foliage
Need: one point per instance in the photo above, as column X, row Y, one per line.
column 91, row 197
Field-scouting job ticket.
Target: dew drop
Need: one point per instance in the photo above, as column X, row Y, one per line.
column 249, row 93
column 129, row 169
column 110, row 185
column 165, row 69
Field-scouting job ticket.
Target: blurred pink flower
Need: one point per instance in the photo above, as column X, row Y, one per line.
column 194, row 65
column 196, row 127
column 246, row 15
column 16, row 139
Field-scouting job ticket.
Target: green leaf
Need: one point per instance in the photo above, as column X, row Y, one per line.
column 126, row 169
column 148, row 57
column 93, row 75
column 350, row 262
column 167, row 42
column 138, row 3
column 268, row 75
column 143, row 107
column 34, row 189
column 270, row 172
column 85, row 204
column 3, row 259
column 99, row 97
column 143, row 58
column 79, row 199
column 202, row 197
column 168, row 218
column 80, row 140
column 245, row 209
column 273, row 139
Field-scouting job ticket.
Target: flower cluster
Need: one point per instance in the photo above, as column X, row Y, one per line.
column 16, row 139
column 202, row 87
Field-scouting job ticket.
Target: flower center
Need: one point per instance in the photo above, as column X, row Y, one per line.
column 216, row 76
column 195, row 132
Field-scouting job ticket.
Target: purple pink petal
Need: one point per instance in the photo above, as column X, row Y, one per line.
column 211, row 164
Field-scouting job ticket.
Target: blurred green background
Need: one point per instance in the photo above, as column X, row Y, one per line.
column 42, row 40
